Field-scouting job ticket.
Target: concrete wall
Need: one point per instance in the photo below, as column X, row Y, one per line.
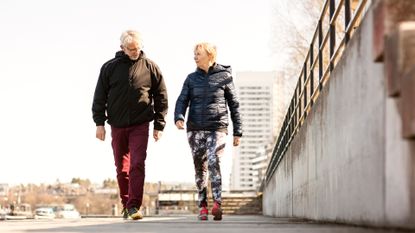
column 349, row 162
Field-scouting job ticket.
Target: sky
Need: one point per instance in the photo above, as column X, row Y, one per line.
column 50, row 55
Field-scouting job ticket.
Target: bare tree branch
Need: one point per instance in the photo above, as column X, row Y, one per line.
column 294, row 25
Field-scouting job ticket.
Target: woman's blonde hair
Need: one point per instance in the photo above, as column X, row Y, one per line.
column 209, row 48
column 130, row 36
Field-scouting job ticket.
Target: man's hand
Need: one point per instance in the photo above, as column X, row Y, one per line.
column 100, row 134
column 157, row 134
column 180, row 124
column 236, row 141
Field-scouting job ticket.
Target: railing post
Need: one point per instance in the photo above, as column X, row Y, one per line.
column 332, row 29
column 299, row 106
column 347, row 17
column 294, row 116
column 290, row 117
column 320, row 55
column 305, row 89
column 311, row 72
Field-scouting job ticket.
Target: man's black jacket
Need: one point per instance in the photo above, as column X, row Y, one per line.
column 130, row 92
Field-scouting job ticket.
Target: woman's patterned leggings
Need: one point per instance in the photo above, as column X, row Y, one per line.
column 207, row 147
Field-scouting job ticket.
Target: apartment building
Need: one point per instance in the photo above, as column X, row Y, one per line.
column 261, row 107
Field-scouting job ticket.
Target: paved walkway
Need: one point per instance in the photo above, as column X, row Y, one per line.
column 178, row 224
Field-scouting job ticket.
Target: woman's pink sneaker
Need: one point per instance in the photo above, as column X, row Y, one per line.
column 203, row 214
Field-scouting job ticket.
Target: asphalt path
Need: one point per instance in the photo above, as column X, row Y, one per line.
column 180, row 224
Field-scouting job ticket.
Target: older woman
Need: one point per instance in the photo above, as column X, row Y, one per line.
column 208, row 92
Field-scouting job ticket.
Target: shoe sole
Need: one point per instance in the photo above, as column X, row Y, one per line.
column 217, row 214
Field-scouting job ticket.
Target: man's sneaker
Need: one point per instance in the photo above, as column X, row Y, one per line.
column 203, row 213
column 216, row 211
column 135, row 213
column 124, row 213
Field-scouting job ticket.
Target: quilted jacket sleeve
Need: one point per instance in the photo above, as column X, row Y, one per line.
column 182, row 102
column 233, row 103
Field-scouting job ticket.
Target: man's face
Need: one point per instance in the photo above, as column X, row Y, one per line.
column 132, row 50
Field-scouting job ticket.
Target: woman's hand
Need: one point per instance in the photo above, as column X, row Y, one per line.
column 180, row 124
column 236, row 141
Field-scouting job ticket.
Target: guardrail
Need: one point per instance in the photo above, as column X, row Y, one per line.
column 337, row 22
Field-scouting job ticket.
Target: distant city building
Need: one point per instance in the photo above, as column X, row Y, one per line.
column 262, row 98
column 260, row 163
column 4, row 189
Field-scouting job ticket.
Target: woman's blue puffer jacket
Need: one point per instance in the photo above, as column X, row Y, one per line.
column 208, row 96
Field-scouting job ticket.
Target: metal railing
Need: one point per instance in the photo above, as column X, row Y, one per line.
column 337, row 22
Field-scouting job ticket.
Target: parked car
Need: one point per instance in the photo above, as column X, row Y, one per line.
column 22, row 211
column 44, row 213
column 3, row 213
column 67, row 211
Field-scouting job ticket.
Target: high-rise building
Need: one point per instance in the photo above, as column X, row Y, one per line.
column 262, row 107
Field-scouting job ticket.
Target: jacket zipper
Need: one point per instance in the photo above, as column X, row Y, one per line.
column 205, row 99
column 130, row 89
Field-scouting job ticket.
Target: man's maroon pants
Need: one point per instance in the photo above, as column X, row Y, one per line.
column 130, row 150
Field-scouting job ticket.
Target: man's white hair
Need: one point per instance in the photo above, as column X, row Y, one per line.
column 130, row 36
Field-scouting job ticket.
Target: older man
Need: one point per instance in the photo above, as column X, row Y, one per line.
column 129, row 94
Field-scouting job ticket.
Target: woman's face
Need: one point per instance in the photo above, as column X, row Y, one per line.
column 201, row 58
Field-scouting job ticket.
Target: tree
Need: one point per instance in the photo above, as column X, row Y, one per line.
column 293, row 27
column 109, row 183
column 294, row 22
column 83, row 183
